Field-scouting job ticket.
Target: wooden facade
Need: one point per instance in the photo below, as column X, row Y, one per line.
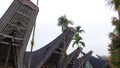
column 15, row 29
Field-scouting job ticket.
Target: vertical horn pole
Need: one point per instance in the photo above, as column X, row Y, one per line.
column 32, row 43
column 37, row 2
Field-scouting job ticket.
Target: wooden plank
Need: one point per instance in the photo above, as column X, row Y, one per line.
column 8, row 36
column 17, row 26
column 6, row 43
column 23, row 15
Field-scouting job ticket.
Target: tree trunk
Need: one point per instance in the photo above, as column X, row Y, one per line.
column 119, row 13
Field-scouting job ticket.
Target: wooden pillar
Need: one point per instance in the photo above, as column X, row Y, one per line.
column 14, row 56
column 8, row 55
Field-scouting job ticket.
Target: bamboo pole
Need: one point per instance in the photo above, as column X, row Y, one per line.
column 32, row 42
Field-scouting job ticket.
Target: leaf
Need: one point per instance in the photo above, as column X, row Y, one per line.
column 73, row 44
column 64, row 22
column 83, row 44
column 78, row 29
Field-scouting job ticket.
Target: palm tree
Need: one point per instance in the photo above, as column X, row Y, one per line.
column 64, row 22
column 79, row 30
column 78, row 40
column 116, row 4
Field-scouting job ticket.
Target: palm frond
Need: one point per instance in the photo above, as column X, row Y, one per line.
column 77, row 40
column 82, row 31
column 59, row 24
column 70, row 22
column 82, row 43
column 73, row 44
column 64, row 22
column 78, row 29
column 77, row 37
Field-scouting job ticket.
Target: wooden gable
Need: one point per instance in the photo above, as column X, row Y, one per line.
column 15, row 29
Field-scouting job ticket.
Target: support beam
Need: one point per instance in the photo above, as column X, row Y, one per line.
column 7, row 43
column 23, row 28
column 8, row 36
column 8, row 56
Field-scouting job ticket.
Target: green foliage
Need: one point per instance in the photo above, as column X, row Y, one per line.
column 64, row 22
column 111, row 35
column 78, row 29
column 77, row 38
column 115, row 44
column 117, row 24
column 114, row 3
column 115, row 59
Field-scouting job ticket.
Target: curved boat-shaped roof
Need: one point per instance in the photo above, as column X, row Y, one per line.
column 97, row 62
column 39, row 57
column 70, row 58
column 82, row 60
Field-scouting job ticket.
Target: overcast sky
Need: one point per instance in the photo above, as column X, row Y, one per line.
column 93, row 15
